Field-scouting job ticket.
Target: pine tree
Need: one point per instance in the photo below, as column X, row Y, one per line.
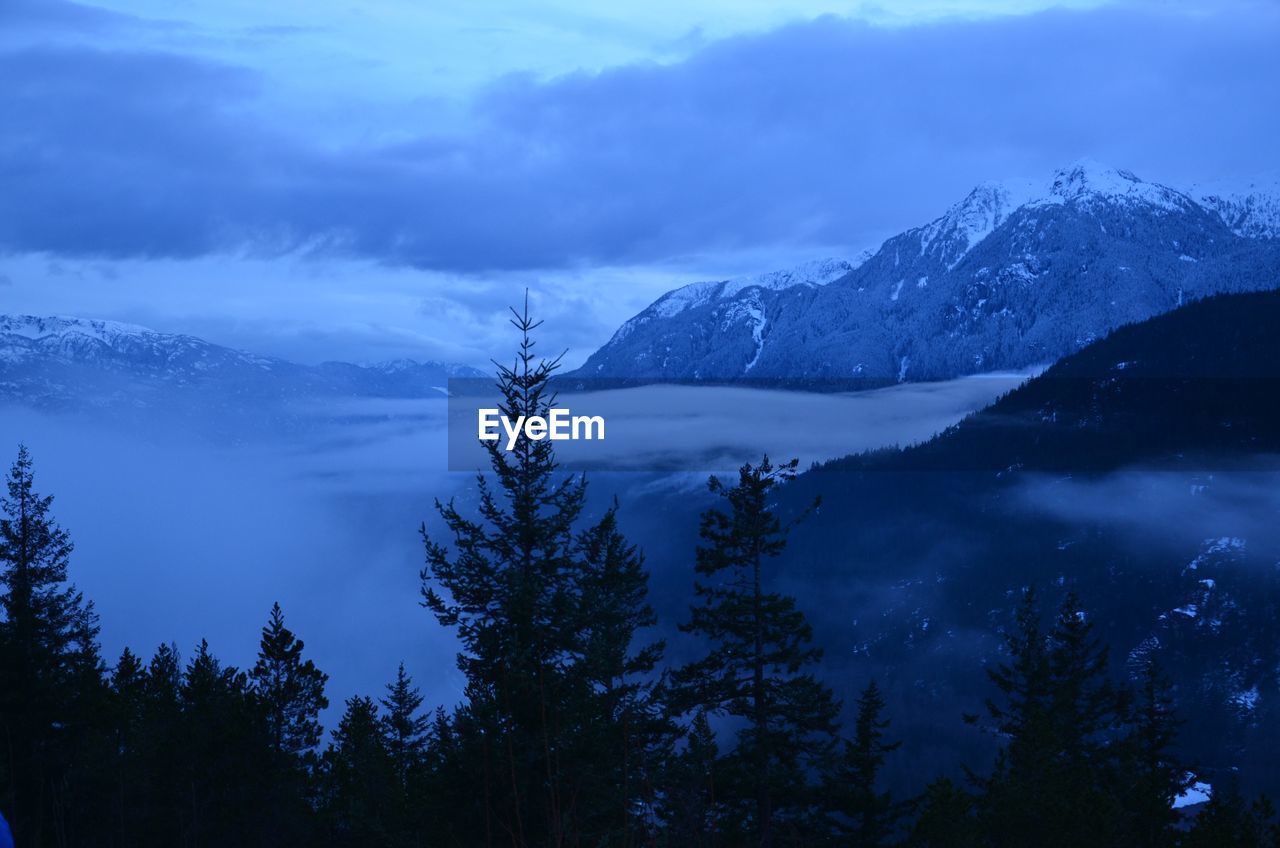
column 448, row 804
column 1013, row 798
column 515, row 588
column 403, row 727
column 1062, row 718
column 128, row 719
column 689, row 807
column 509, row 594
column 864, row 816
column 48, row 657
column 161, row 749
column 360, row 777
column 290, row 689
column 1154, row 775
column 946, row 818
column 221, row 800
column 286, row 696
column 760, row 646
column 406, row 736
column 624, row 731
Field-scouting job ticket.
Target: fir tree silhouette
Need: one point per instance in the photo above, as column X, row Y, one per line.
column 757, row 668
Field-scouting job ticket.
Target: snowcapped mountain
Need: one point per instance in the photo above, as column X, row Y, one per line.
column 816, row 273
column 740, row 298
column 1015, row 274
column 1251, row 210
column 68, row 363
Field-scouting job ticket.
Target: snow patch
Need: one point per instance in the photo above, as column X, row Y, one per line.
column 758, row 322
column 1197, row 793
column 1245, row 699
column 1250, row 208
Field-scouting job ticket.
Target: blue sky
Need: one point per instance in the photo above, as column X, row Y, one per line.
column 363, row 181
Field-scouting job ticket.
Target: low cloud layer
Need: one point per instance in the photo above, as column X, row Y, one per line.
column 179, row 539
column 1172, row 510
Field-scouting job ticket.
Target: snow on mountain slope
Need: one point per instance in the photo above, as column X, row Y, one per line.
column 82, row 340
column 64, row 362
column 1087, row 181
column 971, row 220
column 1251, row 209
column 1015, row 274
column 815, row 273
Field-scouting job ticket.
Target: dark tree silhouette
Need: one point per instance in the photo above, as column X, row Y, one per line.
column 545, row 613
column 864, row 815
column 756, row 670
column 50, row 673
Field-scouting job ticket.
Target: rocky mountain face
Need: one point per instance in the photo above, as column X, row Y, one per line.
column 1251, row 210
column 68, row 363
column 1015, row 274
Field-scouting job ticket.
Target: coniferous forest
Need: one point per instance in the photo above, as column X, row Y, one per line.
column 574, row 728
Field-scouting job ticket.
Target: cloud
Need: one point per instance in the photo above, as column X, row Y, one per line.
column 177, row 540
column 180, row 536
column 1164, row 509
column 827, row 133
column 718, row 428
column 58, row 15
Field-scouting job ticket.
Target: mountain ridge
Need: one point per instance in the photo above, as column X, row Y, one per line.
column 998, row 281
column 63, row 362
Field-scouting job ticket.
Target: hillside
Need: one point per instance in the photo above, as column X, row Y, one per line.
column 1138, row 472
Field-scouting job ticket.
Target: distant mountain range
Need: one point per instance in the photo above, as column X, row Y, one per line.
column 1015, row 274
column 59, row 363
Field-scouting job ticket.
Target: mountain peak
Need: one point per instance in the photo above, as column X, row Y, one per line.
column 817, row 272
column 968, row 222
column 1088, row 176
column 1086, row 181
column 1017, row 272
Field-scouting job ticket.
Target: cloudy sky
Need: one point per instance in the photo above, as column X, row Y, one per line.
column 368, row 180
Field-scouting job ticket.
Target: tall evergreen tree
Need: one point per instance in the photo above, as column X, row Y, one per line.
column 509, row 594
column 756, row 670
column 288, row 695
column 128, row 719
column 161, row 749
column 625, row 732
column 48, row 659
column 945, row 818
column 360, row 779
column 290, row 689
column 514, row 589
column 404, row 726
column 689, row 803
column 406, row 734
column 1062, row 718
column 1154, row 776
column 865, row 816
column 222, row 788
